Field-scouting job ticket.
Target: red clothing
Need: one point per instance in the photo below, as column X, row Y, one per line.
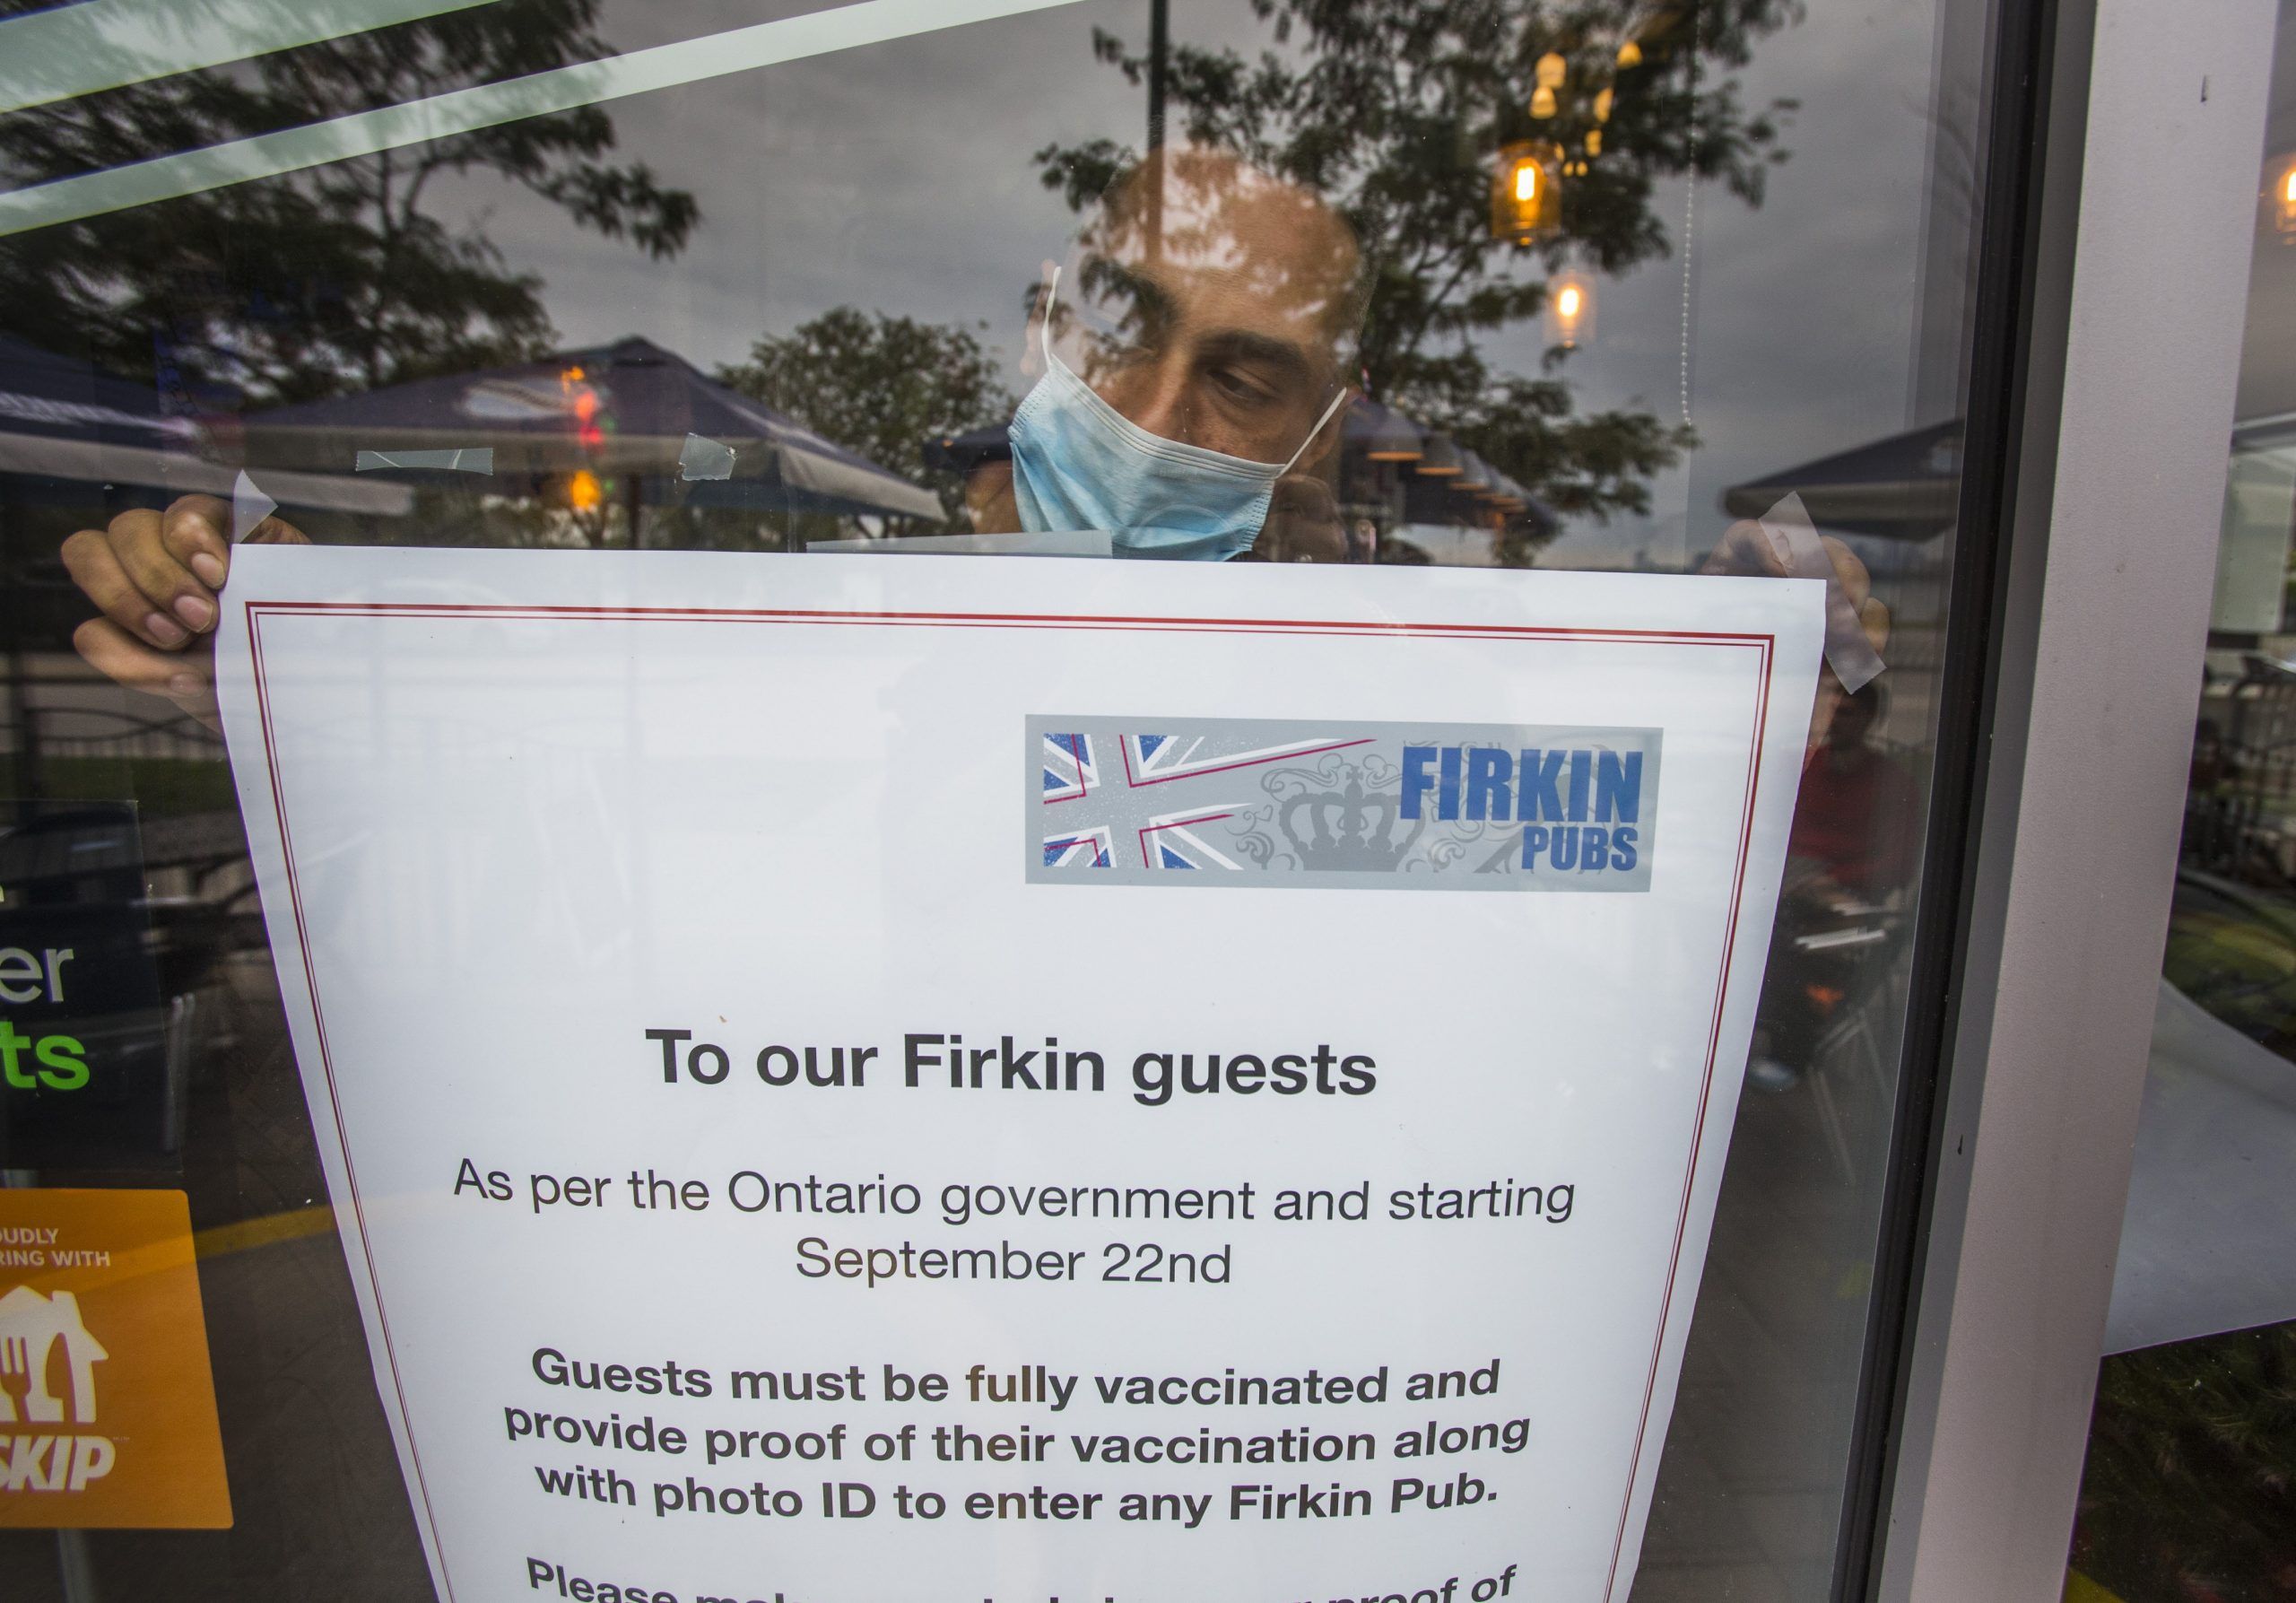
column 1857, row 820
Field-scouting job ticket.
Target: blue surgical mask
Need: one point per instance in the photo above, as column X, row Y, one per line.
column 1079, row 464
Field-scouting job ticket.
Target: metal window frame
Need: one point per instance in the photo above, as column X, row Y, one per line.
column 2124, row 160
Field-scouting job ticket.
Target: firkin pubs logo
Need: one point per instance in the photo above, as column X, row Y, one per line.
column 1268, row 804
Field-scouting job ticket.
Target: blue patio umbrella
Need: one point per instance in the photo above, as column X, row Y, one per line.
column 624, row 410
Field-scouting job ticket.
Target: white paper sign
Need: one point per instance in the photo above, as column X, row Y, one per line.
column 848, row 1080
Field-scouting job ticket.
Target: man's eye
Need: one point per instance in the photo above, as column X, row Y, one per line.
column 1241, row 388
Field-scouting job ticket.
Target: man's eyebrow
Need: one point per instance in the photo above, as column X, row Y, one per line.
column 1236, row 343
column 1254, row 347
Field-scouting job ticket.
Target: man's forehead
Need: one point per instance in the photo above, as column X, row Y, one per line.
column 1229, row 242
column 1212, row 211
column 1195, row 287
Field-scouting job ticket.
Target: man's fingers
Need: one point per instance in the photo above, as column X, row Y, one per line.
column 1302, row 525
column 196, row 532
column 1297, row 495
column 187, row 678
column 124, row 660
column 154, row 577
column 94, row 564
column 140, row 542
column 156, row 574
column 1873, row 617
column 1849, row 568
column 1858, row 584
column 1745, row 551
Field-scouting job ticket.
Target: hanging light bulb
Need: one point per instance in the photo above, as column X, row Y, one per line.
column 1570, row 310
column 1630, row 53
column 1551, row 70
column 1542, row 101
column 1594, row 141
column 1525, row 199
column 1602, row 103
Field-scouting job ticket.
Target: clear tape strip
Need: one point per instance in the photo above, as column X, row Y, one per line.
column 1791, row 534
column 249, row 507
column 562, row 88
column 704, row 458
column 467, row 459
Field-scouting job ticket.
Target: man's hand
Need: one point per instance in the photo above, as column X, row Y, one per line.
column 989, row 501
column 1303, row 524
column 1746, row 551
column 156, row 576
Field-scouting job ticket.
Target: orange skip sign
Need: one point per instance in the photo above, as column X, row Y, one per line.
column 107, row 1405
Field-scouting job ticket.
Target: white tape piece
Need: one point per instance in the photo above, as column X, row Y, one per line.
column 468, row 460
column 489, row 105
column 249, row 507
column 704, row 459
column 1790, row 533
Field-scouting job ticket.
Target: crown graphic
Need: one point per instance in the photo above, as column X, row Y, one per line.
column 1346, row 830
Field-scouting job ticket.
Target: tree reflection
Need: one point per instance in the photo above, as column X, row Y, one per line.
column 881, row 385
column 302, row 286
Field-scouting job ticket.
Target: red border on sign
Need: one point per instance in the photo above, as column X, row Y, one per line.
column 1764, row 644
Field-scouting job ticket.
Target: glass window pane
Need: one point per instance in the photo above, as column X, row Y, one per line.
column 1404, row 283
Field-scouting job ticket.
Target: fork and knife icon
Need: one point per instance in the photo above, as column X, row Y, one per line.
column 15, row 1374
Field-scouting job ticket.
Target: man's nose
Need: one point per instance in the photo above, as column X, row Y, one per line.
column 1157, row 396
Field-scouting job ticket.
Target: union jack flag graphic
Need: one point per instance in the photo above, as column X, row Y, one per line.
column 1261, row 801
column 1131, row 810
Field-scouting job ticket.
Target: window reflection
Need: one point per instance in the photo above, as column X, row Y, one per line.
column 1386, row 121
column 804, row 304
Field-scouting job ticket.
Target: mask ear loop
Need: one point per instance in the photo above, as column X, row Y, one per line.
column 1043, row 323
column 1335, row 403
